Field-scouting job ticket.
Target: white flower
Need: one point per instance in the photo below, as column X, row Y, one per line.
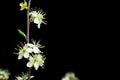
column 37, row 17
column 27, row 49
column 36, row 61
column 36, row 47
column 65, row 78
column 23, row 76
column 4, row 74
column 24, row 52
column 36, row 50
column 70, row 76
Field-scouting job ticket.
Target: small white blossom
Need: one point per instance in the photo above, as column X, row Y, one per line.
column 4, row 74
column 36, row 61
column 36, row 47
column 23, row 76
column 24, row 52
column 37, row 17
column 70, row 76
column 36, row 50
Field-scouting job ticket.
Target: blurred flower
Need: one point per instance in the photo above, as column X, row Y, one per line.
column 23, row 76
column 70, row 76
column 4, row 74
column 36, row 61
column 37, row 17
column 23, row 5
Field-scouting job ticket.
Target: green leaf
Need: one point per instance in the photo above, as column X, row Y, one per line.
column 21, row 33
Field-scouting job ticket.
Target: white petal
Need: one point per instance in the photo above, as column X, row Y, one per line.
column 65, row 78
column 36, row 65
column 29, row 64
column 41, row 63
column 39, row 57
column 29, row 50
column 20, row 56
column 34, row 14
column 36, row 50
column 26, row 55
column 29, row 45
column 31, row 58
column 39, row 26
column 36, row 20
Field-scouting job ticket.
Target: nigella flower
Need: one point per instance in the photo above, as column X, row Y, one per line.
column 23, row 5
column 4, row 74
column 37, row 17
column 36, row 61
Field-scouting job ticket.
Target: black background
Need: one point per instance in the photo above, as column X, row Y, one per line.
column 72, row 40
column 62, row 45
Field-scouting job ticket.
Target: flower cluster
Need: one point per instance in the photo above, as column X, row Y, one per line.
column 70, row 76
column 32, row 52
column 4, row 74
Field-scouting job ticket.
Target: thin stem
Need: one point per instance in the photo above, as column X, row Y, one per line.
column 28, row 33
column 29, row 74
column 28, row 21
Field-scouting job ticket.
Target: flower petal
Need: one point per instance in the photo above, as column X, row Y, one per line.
column 29, row 50
column 65, row 78
column 36, row 20
column 39, row 25
column 36, row 50
column 29, row 64
column 31, row 58
column 20, row 56
column 36, row 65
column 26, row 55
column 34, row 14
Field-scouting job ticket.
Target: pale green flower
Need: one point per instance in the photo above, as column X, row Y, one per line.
column 70, row 76
column 4, row 74
column 37, row 17
column 23, row 5
column 36, row 61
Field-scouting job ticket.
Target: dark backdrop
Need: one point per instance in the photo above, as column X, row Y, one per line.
column 65, row 38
